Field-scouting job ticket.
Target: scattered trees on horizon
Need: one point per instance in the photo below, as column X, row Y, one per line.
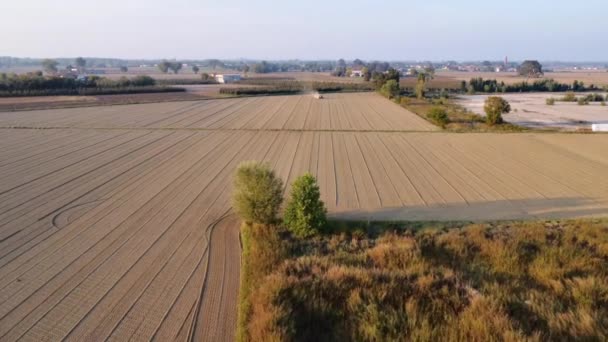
column 530, row 68
column 49, row 65
column 215, row 63
column 165, row 66
column 265, row 67
column 124, row 68
column 81, row 64
column 175, row 67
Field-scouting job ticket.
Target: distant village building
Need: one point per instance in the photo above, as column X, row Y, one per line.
column 227, row 78
column 357, row 73
column 66, row 74
column 412, row 72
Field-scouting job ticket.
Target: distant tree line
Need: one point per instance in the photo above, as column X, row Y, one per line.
column 545, row 85
column 265, row 67
column 36, row 84
column 273, row 87
column 165, row 66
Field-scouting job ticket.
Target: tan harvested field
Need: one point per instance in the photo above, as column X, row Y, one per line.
column 343, row 112
column 125, row 233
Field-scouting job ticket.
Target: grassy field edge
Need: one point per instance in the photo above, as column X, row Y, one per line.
column 526, row 279
column 244, row 306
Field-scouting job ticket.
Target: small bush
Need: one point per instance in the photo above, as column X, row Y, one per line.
column 390, row 89
column 569, row 97
column 550, row 101
column 258, row 193
column 494, row 107
column 582, row 101
column 305, row 214
column 594, row 97
column 603, row 103
column 439, row 116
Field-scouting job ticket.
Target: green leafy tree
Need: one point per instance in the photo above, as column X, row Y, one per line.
column 495, row 107
column 195, row 69
column 390, row 89
column 305, row 214
column 380, row 78
column 50, row 65
column 124, row 69
column 258, row 193
column 246, row 69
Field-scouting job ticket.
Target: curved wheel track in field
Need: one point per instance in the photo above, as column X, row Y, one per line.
column 215, row 316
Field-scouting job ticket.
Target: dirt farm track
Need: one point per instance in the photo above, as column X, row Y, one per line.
column 115, row 222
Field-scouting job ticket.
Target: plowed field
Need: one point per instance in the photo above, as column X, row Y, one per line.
column 115, row 221
column 350, row 112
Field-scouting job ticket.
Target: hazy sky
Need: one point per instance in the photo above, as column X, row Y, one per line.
column 311, row 29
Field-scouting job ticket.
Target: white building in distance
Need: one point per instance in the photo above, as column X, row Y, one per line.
column 227, row 78
column 357, row 73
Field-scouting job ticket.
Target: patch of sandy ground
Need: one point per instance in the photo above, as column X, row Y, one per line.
column 531, row 110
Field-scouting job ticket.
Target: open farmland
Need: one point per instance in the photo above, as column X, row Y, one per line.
column 337, row 112
column 115, row 221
